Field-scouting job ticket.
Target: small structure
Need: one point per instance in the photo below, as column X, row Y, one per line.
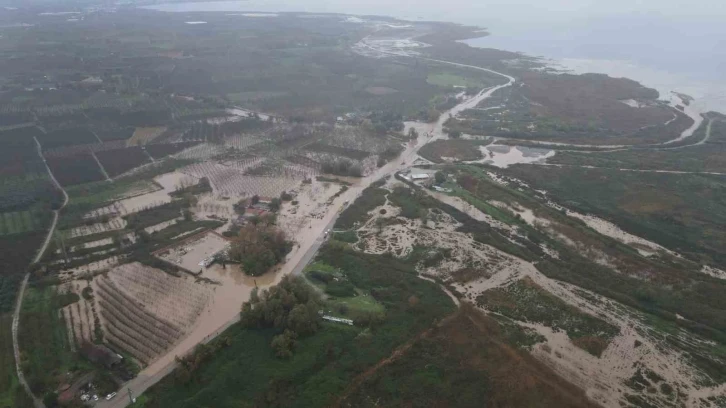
column 419, row 176
column 349, row 322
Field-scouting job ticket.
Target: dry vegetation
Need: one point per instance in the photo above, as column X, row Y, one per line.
column 488, row 371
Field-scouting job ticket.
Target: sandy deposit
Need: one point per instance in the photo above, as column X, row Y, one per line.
column 116, row 223
column 158, row 227
column 607, row 228
column 504, row 156
column 169, row 183
column 602, row 378
column 190, row 253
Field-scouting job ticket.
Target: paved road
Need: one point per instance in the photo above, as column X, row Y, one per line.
column 21, row 293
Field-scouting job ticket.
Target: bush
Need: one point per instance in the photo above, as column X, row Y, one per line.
column 66, row 299
column 87, row 293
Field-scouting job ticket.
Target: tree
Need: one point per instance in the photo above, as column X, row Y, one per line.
column 291, row 307
column 454, row 134
column 259, row 247
column 275, row 204
column 285, row 196
column 412, row 133
column 255, row 199
column 283, row 344
column 440, row 177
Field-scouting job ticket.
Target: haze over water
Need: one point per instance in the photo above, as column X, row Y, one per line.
column 668, row 45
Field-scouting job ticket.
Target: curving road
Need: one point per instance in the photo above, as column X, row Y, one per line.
column 21, row 293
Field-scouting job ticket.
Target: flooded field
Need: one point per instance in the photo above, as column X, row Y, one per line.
column 504, row 156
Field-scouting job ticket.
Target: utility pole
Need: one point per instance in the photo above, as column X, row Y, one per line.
column 131, row 396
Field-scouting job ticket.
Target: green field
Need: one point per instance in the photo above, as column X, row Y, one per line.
column 45, row 353
column 23, row 221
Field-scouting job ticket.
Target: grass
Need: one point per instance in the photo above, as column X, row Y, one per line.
column 526, row 301
column 449, row 79
column 46, row 356
column 353, row 307
column 357, row 212
column 709, row 157
column 12, row 394
column 246, row 373
column 439, row 151
column 683, row 212
column 465, row 362
column 21, row 221
column 349, row 236
column 100, row 193
column 356, row 304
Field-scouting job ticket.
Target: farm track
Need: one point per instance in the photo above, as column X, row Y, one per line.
column 100, row 166
column 21, row 293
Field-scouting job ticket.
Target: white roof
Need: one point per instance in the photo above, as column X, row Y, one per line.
column 419, row 176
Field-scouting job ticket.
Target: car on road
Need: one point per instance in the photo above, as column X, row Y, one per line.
column 110, row 396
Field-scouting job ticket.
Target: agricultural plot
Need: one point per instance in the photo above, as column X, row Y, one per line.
column 145, row 311
column 114, row 224
column 280, row 168
column 67, row 137
column 241, row 142
column 85, row 148
column 77, row 169
column 354, row 154
column 16, row 253
column 110, row 134
column 359, row 139
column 21, row 192
column 145, row 135
column 24, row 221
column 232, row 182
column 19, row 155
column 15, row 118
column 119, row 161
column 80, row 323
column 158, row 151
column 203, row 151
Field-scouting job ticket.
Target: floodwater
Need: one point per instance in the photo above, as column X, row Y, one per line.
column 503, row 156
column 234, row 288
